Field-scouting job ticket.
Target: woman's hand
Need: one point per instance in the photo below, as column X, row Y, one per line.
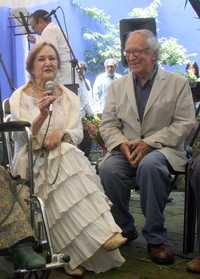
column 53, row 139
column 43, row 105
column 45, row 102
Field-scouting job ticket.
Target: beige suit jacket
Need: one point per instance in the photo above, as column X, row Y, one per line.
column 168, row 118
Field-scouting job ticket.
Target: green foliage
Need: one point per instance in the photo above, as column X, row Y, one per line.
column 172, row 53
column 103, row 45
column 150, row 11
column 192, row 78
column 95, row 13
column 95, row 121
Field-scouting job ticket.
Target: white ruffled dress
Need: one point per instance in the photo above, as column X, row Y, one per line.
column 78, row 213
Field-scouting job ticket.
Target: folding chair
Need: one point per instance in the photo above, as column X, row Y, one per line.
column 54, row 260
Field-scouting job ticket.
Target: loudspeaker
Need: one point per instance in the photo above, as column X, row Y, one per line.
column 195, row 5
column 132, row 24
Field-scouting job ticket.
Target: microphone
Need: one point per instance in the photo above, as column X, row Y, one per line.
column 24, row 23
column 50, row 87
column 51, row 13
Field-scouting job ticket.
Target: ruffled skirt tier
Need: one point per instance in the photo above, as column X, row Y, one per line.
column 78, row 211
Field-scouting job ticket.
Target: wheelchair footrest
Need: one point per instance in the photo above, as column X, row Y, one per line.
column 58, row 260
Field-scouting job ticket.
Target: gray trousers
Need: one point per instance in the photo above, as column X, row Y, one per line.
column 153, row 178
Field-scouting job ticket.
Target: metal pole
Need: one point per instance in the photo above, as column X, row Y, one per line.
column 10, row 82
column 74, row 60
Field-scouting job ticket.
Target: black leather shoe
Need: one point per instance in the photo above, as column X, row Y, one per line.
column 161, row 254
column 194, row 265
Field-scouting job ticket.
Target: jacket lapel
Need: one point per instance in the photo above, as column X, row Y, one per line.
column 131, row 93
column 155, row 91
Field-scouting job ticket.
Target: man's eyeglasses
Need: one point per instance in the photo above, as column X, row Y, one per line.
column 135, row 51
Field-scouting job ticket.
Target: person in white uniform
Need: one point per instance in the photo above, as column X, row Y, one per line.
column 102, row 83
column 79, row 216
column 84, row 91
column 86, row 103
column 50, row 32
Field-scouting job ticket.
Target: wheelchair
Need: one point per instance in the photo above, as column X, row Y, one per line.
column 38, row 216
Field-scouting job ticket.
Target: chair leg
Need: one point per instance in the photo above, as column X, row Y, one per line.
column 189, row 216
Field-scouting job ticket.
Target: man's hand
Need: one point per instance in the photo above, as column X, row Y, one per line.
column 134, row 151
column 139, row 150
column 125, row 149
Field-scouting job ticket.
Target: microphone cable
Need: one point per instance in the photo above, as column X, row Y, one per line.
column 41, row 151
column 44, row 137
column 47, row 129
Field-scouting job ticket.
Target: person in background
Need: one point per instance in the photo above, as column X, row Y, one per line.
column 86, row 103
column 192, row 74
column 80, row 222
column 84, row 91
column 192, row 68
column 102, row 82
column 15, row 231
column 148, row 115
column 50, row 32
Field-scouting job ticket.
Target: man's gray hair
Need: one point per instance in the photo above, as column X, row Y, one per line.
column 110, row 61
column 151, row 39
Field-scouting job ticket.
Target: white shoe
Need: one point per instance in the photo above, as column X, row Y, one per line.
column 78, row 272
column 115, row 242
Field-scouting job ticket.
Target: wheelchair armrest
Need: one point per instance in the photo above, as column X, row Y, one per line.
column 14, row 126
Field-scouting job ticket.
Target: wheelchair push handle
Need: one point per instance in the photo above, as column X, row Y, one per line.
column 14, row 126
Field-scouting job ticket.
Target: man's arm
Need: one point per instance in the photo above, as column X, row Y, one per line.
column 180, row 127
column 111, row 126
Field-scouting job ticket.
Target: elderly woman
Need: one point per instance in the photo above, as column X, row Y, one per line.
column 79, row 215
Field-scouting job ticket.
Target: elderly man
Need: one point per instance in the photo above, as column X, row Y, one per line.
column 147, row 117
column 102, row 82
